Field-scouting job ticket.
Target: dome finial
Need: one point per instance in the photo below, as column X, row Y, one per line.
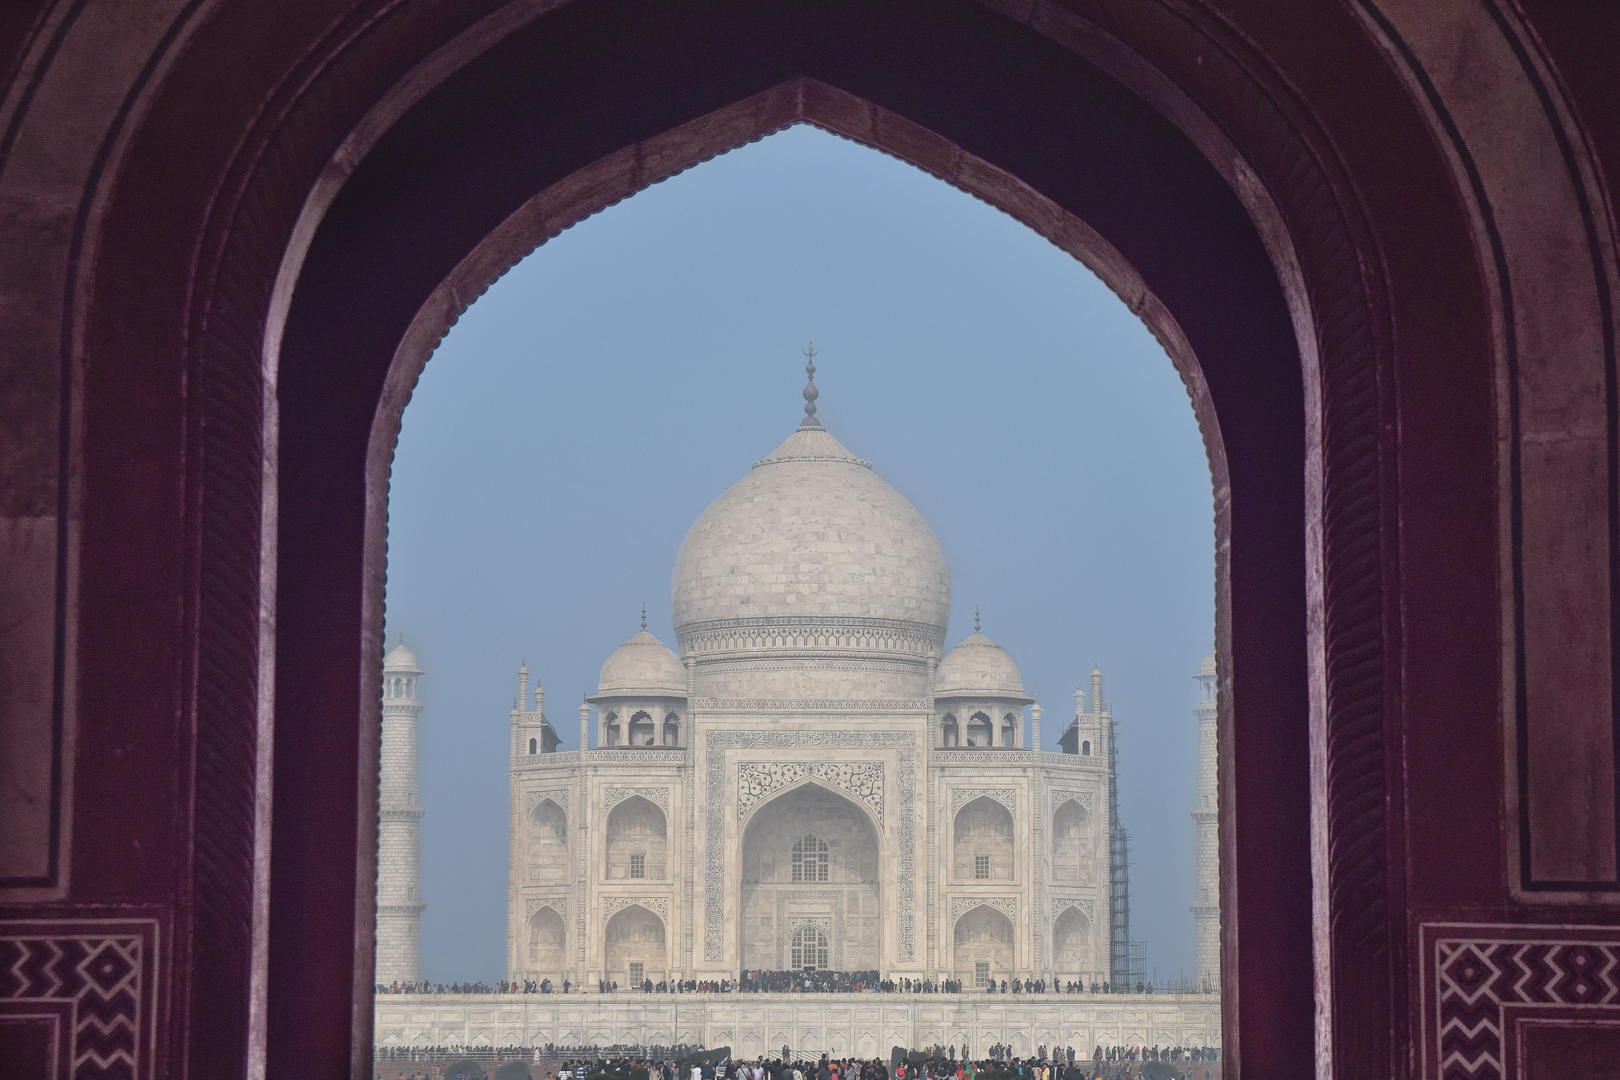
column 644, row 615
column 810, row 391
column 975, row 618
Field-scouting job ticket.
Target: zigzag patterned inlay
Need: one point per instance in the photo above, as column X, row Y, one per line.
column 1476, row 979
column 103, row 973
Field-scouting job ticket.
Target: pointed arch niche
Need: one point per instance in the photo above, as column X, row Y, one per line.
column 811, row 864
column 547, row 861
column 624, row 172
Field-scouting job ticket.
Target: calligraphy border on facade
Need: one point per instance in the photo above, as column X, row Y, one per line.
column 903, row 742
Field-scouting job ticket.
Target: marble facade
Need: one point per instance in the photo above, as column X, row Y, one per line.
column 810, row 778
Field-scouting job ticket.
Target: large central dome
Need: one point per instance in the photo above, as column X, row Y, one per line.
column 811, row 537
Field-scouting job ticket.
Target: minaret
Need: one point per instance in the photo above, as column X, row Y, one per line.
column 1124, row 954
column 399, row 905
column 1206, row 907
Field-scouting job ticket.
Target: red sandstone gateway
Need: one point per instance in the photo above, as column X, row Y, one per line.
column 1377, row 238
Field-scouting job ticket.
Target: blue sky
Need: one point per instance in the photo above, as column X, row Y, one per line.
column 585, row 410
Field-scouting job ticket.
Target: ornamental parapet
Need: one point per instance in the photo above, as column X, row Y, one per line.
column 407, row 908
column 810, row 635
column 636, row 755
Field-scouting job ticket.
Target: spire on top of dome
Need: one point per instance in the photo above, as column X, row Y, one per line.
column 810, row 391
column 644, row 616
column 975, row 618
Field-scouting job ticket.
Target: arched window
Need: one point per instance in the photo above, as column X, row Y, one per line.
column 949, row 733
column 1009, row 730
column 809, row 859
column 672, row 730
column 612, row 729
column 809, row 949
column 1085, row 748
column 641, row 729
column 980, row 732
column 534, row 747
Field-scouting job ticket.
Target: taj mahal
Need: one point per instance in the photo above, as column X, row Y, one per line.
column 809, row 780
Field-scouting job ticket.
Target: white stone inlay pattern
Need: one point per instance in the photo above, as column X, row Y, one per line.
column 658, row 905
column 1087, row 908
column 559, row 904
column 557, row 795
column 615, row 795
column 960, row 797
column 1085, row 798
column 756, row 780
column 1007, row 905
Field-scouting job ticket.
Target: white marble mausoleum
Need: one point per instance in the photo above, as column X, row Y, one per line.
column 809, row 779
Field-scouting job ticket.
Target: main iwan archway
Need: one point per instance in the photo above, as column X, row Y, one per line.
column 225, row 311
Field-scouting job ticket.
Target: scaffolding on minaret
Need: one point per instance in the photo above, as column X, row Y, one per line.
column 1126, row 958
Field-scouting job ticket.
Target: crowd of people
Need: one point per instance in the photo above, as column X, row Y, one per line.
column 777, row 982
column 690, row 1063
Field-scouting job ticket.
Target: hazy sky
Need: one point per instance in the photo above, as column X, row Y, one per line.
column 581, row 415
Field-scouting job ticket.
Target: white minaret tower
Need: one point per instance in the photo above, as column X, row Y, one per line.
column 398, row 904
column 1206, row 907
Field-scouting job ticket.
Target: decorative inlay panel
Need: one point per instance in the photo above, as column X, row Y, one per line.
column 559, row 904
column 1007, row 905
column 714, row 879
column 960, row 797
column 1088, row 908
column 615, row 795
column 1489, row 981
column 94, row 982
column 757, row 780
column 1086, row 799
column 531, row 799
column 658, row 905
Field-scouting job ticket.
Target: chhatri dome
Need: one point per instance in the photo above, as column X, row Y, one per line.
column 811, row 534
column 643, row 665
column 400, row 659
column 978, row 668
